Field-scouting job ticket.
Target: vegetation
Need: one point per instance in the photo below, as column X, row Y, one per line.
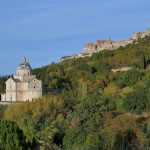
column 11, row 137
column 2, row 83
column 95, row 108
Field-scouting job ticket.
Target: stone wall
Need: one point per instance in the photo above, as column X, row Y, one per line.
column 103, row 44
column 89, row 48
column 140, row 35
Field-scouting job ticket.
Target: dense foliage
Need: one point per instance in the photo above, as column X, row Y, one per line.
column 11, row 137
column 2, row 83
column 95, row 108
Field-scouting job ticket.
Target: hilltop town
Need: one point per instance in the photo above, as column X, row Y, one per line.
column 100, row 45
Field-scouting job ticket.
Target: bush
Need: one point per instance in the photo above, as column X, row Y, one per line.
column 128, row 78
column 136, row 101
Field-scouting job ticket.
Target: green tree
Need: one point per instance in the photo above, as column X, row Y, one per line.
column 128, row 78
column 11, row 137
column 136, row 101
column 86, row 122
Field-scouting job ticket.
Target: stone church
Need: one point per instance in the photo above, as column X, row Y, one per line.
column 23, row 86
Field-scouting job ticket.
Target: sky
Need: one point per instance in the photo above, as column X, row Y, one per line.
column 45, row 30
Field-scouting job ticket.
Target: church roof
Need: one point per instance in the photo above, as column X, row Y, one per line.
column 24, row 64
column 16, row 80
column 13, row 79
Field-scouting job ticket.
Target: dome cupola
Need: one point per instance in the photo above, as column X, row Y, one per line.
column 24, row 68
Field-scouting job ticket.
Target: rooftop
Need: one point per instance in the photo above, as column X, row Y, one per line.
column 24, row 64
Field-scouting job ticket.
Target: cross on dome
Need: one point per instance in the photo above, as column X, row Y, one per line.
column 24, row 60
column 24, row 64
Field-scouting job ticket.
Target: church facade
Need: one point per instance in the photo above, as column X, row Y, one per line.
column 23, row 86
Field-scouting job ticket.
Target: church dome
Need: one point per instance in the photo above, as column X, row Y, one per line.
column 24, row 65
column 24, row 68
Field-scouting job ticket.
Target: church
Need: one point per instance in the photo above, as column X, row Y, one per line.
column 23, row 86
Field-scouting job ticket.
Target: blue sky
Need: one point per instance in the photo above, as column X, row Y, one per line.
column 46, row 30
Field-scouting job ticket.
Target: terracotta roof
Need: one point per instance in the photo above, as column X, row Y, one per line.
column 102, row 41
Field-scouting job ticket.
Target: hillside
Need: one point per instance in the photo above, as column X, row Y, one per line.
column 136, row 55
column 96, row 108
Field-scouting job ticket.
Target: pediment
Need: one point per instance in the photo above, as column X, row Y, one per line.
column 35, row 84
column 35, row 81
column 10, row 80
